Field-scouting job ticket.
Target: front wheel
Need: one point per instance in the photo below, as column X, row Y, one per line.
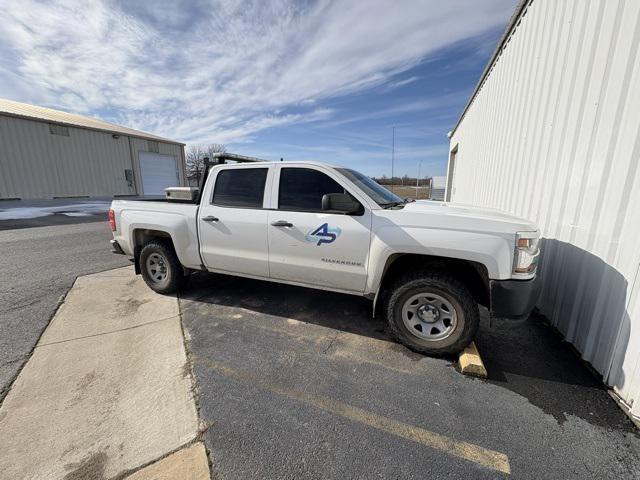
column 432, row 313
column 160, row 268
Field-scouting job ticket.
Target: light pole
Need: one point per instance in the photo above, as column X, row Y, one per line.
column 393, row 153
column 418, row 178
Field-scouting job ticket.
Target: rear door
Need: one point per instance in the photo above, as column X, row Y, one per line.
column 233, row 221
column 310, row 246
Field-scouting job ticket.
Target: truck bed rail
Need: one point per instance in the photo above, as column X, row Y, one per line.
column 219, row 158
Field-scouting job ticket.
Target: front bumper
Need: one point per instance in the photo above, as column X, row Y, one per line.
column 514, row 298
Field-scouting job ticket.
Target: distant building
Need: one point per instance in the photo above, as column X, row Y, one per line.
column 552, row 133
column 438, row 187
column 46, row 153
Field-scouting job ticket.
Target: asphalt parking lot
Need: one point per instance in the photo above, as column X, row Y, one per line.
column 296, row 383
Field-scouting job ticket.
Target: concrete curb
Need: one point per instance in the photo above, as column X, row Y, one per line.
column 107, row 389
column 189, row 463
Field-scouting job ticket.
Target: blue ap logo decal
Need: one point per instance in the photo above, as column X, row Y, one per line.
column 323, row 234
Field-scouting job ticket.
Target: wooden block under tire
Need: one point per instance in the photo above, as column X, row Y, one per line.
column 470, row 362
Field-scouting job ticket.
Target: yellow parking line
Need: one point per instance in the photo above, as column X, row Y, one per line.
column 467, row 451
column 349, row 353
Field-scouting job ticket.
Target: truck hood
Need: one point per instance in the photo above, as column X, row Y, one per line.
column 458, row 216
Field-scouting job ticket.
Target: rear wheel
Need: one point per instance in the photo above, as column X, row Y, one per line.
column 432, row 313
column 160, row 268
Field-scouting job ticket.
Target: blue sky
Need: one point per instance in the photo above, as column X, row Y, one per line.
column 324, row 80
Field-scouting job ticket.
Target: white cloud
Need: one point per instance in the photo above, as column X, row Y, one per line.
column 401, row 83
column 218, row 71
column 442, row 100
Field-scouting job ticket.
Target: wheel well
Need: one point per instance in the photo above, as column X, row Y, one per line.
column 473, row 274
column 142, row 236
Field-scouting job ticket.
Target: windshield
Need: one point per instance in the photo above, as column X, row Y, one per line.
column 377, row 192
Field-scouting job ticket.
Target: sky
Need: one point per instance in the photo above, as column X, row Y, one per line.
column 300, row 80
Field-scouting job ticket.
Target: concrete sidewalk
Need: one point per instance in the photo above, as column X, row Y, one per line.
column 107, row 390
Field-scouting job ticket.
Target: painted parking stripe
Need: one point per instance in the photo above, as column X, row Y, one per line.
column 467, row 451
column 359, row 348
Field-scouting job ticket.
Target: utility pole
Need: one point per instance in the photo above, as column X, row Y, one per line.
column 393, row 153
column 418, row 178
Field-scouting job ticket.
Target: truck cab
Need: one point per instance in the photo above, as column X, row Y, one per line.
column 426, row 266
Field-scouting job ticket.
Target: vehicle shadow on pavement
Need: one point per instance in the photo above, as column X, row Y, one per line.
column 527, row 357
column 342, row 312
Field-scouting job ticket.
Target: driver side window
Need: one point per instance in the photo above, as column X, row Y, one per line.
column 301, row 189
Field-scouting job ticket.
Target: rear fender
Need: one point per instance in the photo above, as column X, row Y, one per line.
column 176, row 227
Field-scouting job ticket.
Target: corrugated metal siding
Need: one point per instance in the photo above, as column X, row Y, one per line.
column 554, row 135
column 37, row 164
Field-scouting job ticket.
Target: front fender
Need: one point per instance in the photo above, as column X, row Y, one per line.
column 493, row 251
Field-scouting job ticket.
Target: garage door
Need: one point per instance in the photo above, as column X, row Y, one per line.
column 158, row 172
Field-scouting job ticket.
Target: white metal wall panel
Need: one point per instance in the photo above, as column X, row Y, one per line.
column 37, row 164
column 553, row 135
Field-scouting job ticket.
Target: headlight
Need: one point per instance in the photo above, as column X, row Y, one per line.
column 526, row 254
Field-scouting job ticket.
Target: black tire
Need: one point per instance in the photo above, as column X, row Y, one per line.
column 448, row 288
column 174, row 279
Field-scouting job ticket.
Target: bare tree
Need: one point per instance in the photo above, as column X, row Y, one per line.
column 195, row 162
column 215, row 148
column 195, row 156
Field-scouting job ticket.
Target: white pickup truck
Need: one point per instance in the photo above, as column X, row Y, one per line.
column 426, row 265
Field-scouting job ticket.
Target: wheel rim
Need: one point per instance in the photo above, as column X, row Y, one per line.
column 429, row 316
column 157, row 268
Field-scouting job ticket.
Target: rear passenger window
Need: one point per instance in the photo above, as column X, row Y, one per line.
column 240, row 187
column 301, row 189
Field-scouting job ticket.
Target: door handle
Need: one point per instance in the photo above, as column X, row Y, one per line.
column 210, row 218
column 282, row 223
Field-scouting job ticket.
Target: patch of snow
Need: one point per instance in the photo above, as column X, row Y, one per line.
column 77, row 214
column 70, row 210
column 20, row 213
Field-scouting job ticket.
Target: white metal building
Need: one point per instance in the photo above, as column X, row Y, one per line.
column 47, row 153
column 438, row 186
column 552, row 133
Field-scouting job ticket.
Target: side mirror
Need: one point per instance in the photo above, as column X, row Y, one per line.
column 340, row 202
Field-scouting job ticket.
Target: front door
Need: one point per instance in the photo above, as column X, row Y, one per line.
column 233, row 223
column 310, row 246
